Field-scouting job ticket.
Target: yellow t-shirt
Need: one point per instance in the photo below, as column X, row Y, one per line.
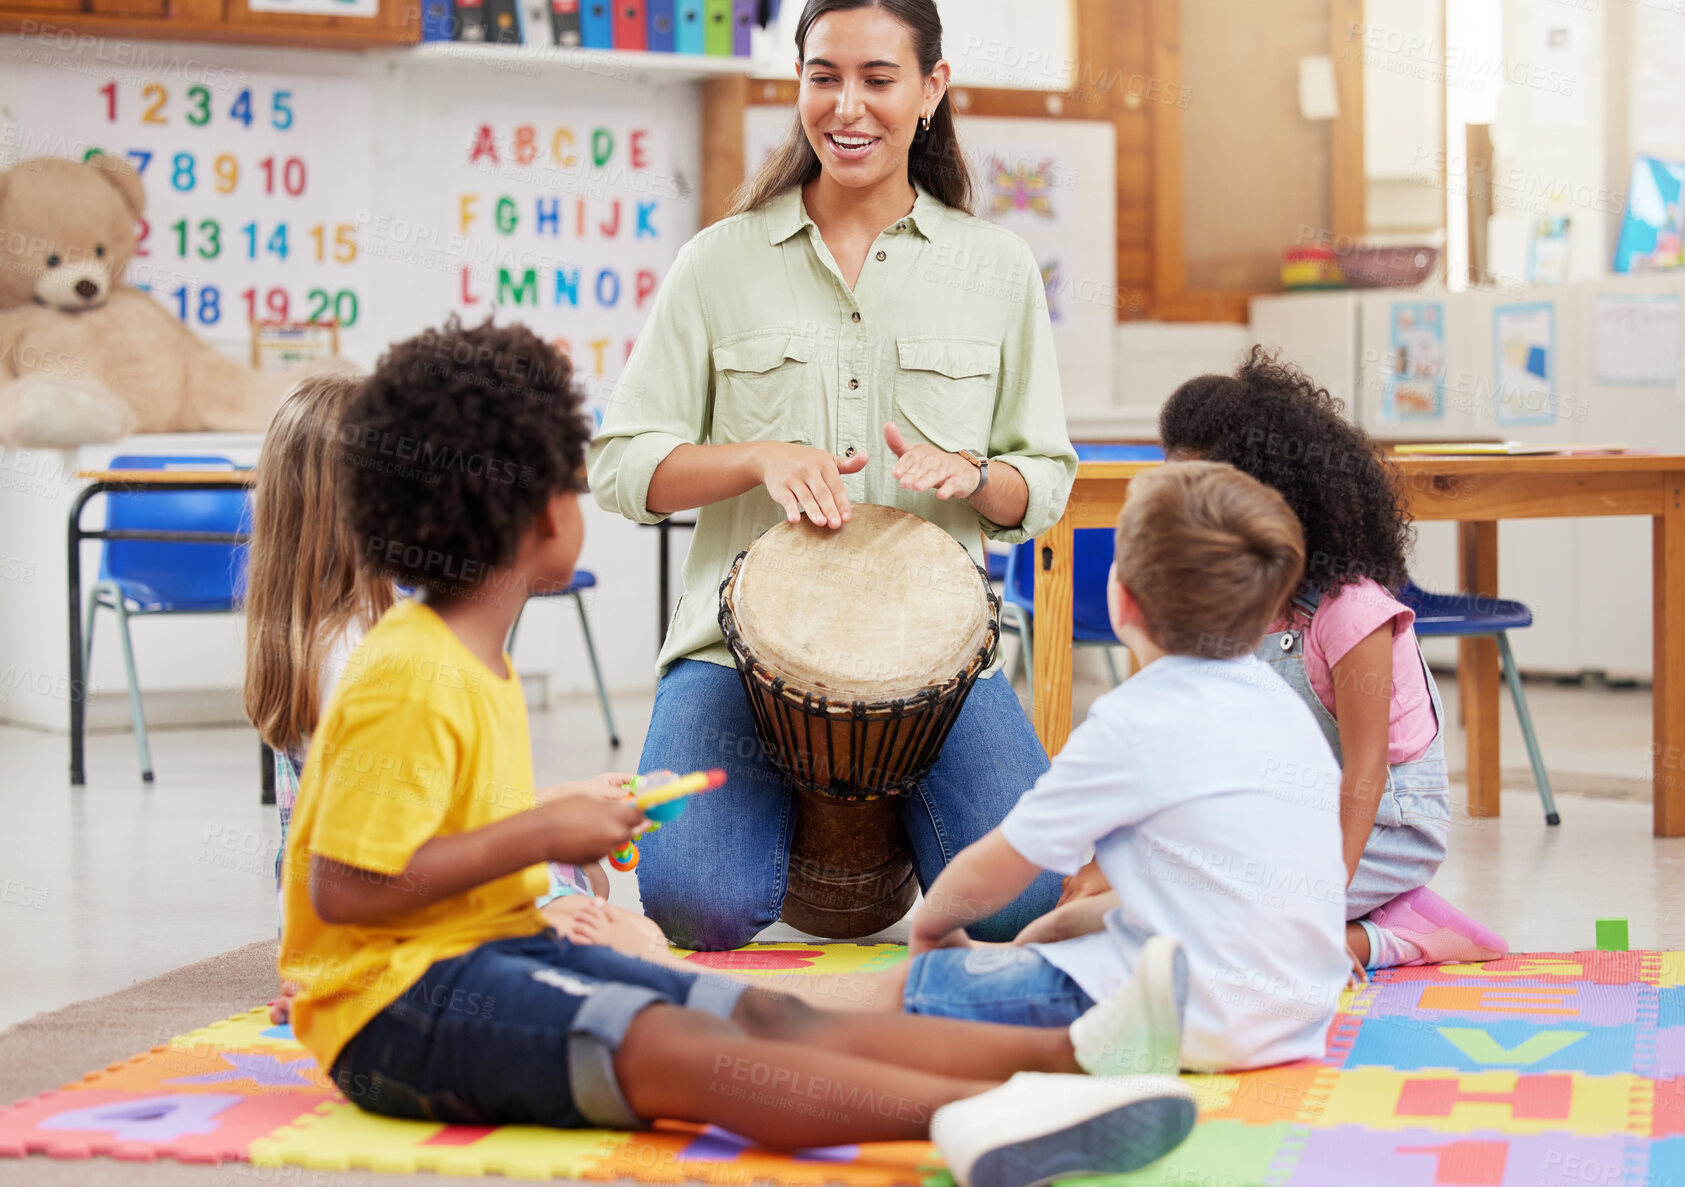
column 420, row 739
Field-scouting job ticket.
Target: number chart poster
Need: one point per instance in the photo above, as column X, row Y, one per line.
column 569, row 224
column 255, row 186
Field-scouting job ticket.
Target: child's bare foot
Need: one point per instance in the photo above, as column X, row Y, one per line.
column 560, row 913
column 627, row 932
column 281, row 1009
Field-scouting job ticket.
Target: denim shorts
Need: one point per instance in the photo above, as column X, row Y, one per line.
column 1409, row 840
column 516, row 1032
column 1014, row 986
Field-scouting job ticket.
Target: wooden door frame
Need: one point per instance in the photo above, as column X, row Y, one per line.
column 1348, row 187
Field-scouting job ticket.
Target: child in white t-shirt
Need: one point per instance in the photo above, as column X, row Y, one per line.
column 1206, row 793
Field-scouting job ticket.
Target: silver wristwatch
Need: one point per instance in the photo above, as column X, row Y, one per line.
column 982, row 464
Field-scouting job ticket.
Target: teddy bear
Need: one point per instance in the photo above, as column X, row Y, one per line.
column 84, row 357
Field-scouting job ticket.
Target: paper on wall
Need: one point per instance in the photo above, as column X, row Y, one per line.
column 1319, row 98
column 1635, row 339
column 1524, row 343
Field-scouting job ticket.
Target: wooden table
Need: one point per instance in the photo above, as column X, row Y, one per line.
column 1474, row 492
column 130, row 482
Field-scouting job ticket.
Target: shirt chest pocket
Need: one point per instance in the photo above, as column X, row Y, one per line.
column 766, row 388
column 945, row 390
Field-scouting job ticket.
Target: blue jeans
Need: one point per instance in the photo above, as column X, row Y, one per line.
column 516, row 1032
column 716, row 876
column 1011, row 986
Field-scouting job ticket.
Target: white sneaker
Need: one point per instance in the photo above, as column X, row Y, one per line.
column 1138, row 1029
column 1039, row 1127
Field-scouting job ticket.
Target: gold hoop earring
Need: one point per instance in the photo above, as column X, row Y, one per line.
column 924, row 123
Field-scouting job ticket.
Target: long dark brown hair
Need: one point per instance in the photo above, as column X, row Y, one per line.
column 935, row 161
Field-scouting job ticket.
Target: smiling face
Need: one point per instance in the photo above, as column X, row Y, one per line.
column 862, row 95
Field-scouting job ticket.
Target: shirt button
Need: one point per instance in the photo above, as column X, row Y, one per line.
column 882, row 256
column 856, row 317
column 850, row 451
column 900, row 226
column 853, row 384
column 1287, row 641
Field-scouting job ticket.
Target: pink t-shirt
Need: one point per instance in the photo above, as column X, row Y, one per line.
column 1343, row 620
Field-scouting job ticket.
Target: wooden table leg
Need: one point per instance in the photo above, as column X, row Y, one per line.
column 1055, row 566
column 1668, row 673
column 1477, row 670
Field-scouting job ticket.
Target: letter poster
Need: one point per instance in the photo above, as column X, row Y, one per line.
column 567, row 222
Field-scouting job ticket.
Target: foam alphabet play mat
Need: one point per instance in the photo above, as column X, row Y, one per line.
column 1548, row 1068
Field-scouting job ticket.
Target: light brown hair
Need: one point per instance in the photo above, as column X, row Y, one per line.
column 304, row 586
column 1210, row 555
column 936, row 161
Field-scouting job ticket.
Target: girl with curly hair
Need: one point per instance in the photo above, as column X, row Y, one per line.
column 1346, row 645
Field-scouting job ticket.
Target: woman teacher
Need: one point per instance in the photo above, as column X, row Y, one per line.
column 849, row 335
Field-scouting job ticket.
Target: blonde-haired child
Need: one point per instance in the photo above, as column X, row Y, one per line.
column 308, row 599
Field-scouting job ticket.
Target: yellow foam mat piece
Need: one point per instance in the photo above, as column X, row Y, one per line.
column 338, row 1136
column 1467, row 1102
column 243, row 1032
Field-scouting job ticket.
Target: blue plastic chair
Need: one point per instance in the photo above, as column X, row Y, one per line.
column 583, row 579
column 1464, row 615
column 1091, row 622
column 142, row 577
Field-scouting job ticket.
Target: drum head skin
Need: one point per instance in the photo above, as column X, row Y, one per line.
column 877, row 610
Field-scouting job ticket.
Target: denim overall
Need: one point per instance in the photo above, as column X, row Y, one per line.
column 1414, row 818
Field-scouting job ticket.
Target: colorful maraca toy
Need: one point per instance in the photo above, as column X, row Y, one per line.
column 662, row 798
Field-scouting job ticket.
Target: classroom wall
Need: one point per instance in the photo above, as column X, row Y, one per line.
column 1553, row 132
column 405, row 163
column 1245, row 143
column 1588, row 580
column 1654, row 47
column 988, row 43
column 413, row 269
column 1403, row 115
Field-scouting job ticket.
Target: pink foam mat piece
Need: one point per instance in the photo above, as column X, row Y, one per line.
column 137, row 1126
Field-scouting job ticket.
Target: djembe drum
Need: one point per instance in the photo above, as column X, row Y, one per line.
column 857, row 649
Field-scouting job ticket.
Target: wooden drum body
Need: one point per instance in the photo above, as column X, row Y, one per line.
column 857, row 649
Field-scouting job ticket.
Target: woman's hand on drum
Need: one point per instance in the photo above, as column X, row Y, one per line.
column 924, row 467
column 807, row 481
column 580, row 829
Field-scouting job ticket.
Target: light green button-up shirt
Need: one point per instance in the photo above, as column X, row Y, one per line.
column 755, row 337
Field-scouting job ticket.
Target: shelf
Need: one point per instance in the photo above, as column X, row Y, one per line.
column 547, row 59
column 286, row 32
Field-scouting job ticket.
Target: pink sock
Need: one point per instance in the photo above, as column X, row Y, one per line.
column 1387, row 950
column 1443, row 933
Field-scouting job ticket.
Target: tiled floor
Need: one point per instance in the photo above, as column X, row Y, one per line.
column 104, row 885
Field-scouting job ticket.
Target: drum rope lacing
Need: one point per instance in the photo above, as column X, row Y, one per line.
column 787, row 720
